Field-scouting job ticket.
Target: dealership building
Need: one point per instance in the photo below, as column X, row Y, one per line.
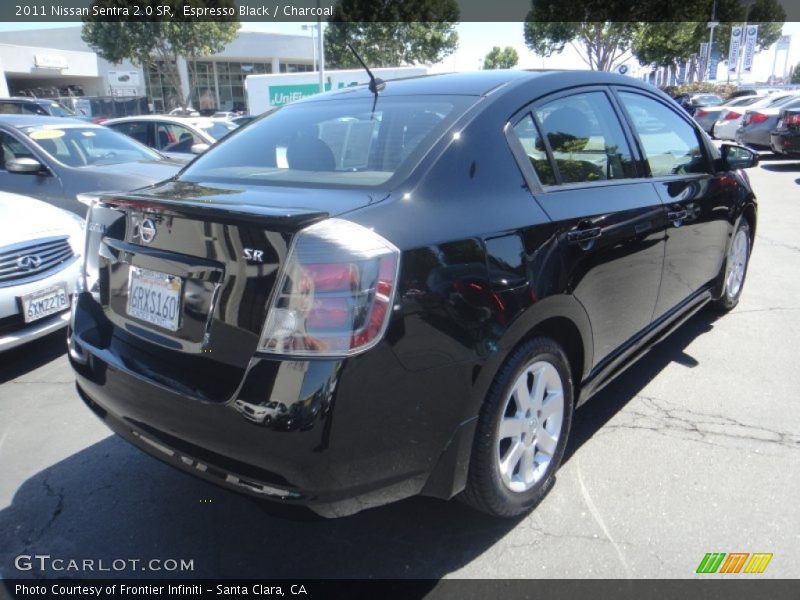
column 58, row 63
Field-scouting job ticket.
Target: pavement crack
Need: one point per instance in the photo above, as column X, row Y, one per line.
column 771, row 242
column 660, row 417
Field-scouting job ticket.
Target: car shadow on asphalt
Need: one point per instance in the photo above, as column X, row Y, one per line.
column 782, row 167
column 29, row 357
column 592, row 416
column 110, row 501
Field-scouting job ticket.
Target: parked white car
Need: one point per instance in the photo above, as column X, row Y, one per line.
column 176, row 137
column 40, row 247
column 730, row 119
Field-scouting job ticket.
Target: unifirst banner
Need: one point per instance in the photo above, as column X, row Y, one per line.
column 733, row 50
column 749, row 48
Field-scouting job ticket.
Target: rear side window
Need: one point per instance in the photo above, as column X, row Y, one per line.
column 532, row 143
column 586, row 138
column 670, row 144
column 10, row 108
column 333, row 142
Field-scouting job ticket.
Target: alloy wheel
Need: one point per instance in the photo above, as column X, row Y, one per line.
column 530, row 427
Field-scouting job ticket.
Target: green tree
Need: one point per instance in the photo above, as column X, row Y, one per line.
column 498, row 58
column 666, row 44
column 606, row 32
column 795, row 75
column 601, row 45
column 158, row 44
column 391, row 33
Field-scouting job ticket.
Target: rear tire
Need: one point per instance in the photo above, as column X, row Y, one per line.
column 522, row 431
column 734, row 270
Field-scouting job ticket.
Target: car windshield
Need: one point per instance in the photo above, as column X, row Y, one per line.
column 81, row 146
column 332, row 142
column 217, row 129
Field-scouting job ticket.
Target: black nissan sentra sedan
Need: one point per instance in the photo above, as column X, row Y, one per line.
column 370, row 295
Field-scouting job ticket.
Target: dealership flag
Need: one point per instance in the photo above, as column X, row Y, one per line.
column 703, row 60
column 749, row 48
column 733, row 51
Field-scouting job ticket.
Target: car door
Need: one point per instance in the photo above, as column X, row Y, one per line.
column 44, row 186
column 698, row 203
column 609, row 219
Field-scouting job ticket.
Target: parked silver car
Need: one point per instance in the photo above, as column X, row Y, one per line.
column 40, row 247
column 54, row 159
column 757, row 125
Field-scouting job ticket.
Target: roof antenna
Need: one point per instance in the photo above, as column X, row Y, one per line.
column 376, row 85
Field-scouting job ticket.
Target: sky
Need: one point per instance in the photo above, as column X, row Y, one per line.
column 476, row 39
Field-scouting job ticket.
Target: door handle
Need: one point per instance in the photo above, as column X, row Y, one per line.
column 580, row 236
column 677, row 216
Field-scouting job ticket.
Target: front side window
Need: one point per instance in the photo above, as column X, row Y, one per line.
column 333, row 142
column 670, row 144
column 12, row 148
column 172, row 137
column 586, row 138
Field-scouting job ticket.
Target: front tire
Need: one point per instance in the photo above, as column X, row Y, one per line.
column 522, row 431
column 735, row 268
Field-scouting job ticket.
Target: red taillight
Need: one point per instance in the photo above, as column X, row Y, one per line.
column 757, row 118
column 335, row 295
column 792, row 120
column 731, row 115
column 701, row 113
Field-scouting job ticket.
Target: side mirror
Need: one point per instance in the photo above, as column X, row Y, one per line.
column 199, row 148
column 29, row 166
column 737, row 157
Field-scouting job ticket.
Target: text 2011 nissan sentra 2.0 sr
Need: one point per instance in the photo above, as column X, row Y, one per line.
column 372, row 294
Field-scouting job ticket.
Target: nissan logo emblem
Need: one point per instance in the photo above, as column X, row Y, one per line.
column 30, row 262
column 147, row 231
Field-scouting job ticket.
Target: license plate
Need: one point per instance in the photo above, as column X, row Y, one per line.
column 780, row 123
column 154, row 297
column 44, row 303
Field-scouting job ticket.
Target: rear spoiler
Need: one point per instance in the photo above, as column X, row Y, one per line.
column 273, row 217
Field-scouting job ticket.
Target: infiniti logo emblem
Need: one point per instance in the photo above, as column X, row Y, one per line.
column 27, row 263
column 147, row 231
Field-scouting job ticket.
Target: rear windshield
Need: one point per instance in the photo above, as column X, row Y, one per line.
column 708, row 100
column 783, row 100
column 57, row 109
column 336, row 142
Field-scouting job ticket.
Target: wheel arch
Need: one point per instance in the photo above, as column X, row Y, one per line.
column 560, row 317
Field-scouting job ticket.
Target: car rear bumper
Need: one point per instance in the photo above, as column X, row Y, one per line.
column 785, row 142
column 357, row 433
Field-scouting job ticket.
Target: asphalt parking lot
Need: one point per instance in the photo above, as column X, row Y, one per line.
column 695, row 449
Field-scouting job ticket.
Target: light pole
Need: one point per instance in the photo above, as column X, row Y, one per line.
column 320, row 52
column 311, row 28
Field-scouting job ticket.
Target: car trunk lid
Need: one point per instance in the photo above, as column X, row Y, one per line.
column 184, row 273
